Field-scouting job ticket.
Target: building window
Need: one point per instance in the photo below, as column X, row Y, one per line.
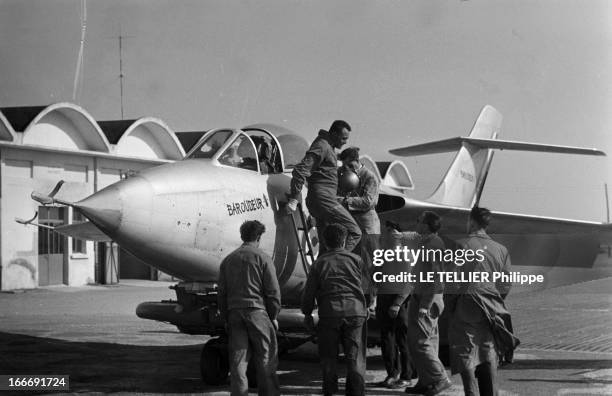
column 78, row 245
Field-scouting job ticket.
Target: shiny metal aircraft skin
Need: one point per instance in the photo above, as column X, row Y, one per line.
column 183, row 218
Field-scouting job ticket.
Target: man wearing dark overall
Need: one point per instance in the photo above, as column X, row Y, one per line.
column 249, row 301
column 424, row 309
column 335, row 281
column 392, row 311
column 473, row 350
column 319, row 168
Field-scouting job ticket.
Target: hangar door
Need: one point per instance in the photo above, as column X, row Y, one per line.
column 51, row 246
column 131, row 267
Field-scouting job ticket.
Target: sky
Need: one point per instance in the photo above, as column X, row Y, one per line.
column 400, row 72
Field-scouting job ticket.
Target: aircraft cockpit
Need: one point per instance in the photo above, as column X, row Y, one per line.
column 209, row 145
column 286, row 147
column 256, row 148
column 241, row 153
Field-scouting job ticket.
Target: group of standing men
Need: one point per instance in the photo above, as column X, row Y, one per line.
column 340, row 282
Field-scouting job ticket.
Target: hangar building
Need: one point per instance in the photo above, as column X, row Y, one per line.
column 40, row 146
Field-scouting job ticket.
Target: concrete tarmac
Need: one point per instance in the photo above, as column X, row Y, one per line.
column 92, row 334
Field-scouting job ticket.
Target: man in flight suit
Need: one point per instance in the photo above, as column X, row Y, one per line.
column 249, row 301
column 319, row 168
column 425, row 307
column 392, row 311
column 335, row 281
column 473, row 349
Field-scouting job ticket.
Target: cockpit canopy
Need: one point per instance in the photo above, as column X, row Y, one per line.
column 208, row 146
column 263, row 148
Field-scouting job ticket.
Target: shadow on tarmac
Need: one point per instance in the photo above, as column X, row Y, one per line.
column 563, row 364
column 586, row 381
column 104, row 367
column 110, row 367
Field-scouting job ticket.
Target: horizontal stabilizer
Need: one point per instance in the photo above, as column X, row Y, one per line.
column 454, row 144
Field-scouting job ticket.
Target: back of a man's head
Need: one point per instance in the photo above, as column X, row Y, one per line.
column 251, row 230
column 432, row 220
column 337, row 127
column 334, row 236
column 480, row 216
column 349, row 154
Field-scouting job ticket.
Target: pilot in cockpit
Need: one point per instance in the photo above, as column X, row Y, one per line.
column 231, row 157
column 264, row 154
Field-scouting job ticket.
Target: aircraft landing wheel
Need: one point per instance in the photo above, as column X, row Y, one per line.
column 214, row 362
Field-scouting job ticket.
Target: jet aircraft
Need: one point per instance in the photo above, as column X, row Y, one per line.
column 183, row 218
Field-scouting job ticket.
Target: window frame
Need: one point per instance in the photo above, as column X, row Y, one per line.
column 226, row 147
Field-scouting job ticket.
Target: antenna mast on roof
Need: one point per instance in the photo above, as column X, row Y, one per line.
column 607, row 213
column 121, row 75
column 78, row 76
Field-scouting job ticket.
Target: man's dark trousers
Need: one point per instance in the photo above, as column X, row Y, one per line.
column 251, row 333
column 424, row 343
column 326, row 210
column 349, row 332
column 394, row 337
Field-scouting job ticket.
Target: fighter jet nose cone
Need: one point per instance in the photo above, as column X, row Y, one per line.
column 108, row 207
column 103, row 208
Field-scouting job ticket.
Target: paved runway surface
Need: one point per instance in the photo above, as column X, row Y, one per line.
column 92, row 334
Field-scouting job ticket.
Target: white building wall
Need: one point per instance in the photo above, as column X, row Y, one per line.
column 111, row 170
column 18, row 244
column 25, row 170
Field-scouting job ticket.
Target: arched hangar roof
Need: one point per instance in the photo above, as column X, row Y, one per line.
column 146, row 137
column 16, row 119
column 61, row 125
column 7, row 132
column 65, row 125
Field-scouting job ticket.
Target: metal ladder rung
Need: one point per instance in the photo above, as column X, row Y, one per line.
column 302, row 251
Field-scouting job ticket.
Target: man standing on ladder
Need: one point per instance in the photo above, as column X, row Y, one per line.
column 319, row 168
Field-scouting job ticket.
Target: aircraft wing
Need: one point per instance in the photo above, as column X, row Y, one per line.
column 531, row 240
column 85, row 230
column 537, row 240
column 510, row 223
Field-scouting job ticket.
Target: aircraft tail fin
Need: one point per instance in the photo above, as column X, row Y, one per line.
column 463, row 183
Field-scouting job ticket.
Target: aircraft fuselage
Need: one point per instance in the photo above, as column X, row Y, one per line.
column 184, row 218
